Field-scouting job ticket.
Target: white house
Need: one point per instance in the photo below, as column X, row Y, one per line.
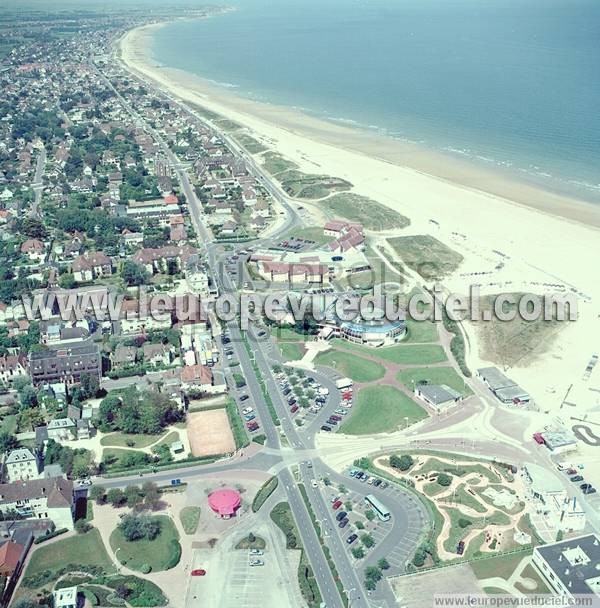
column 40, row 499
column 21, row 465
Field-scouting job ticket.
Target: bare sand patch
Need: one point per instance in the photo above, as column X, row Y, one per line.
column 209, row 433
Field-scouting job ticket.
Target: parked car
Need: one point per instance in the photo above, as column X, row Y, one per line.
column 351, row 538
column 256, row 552
column 343, row 523
column 244, row 397
column 335, row 417
column 337, row 504
column 294, row 409
column 247, row 410
column 460, row 549
column 590, row 491
column 377, row 482
column 576, row 478
column 257, row 562
column 384, row 484
column 326, row 428
column 198, row 572
column 314, row 483
column 249, row 417
column 341, row 515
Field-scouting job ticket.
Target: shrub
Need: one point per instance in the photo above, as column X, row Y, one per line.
column 403, row 463
column 444, row 479
column 464, row 523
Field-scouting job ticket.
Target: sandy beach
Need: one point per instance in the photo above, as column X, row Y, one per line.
column 545, row 239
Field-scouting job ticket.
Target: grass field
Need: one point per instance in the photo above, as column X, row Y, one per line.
column 169, row 438
column 348, row 364
column 252, row 145
column 312, row 233
column 433, row 465
column 83, row 549
column 406, row 354
column 291, row 351
column 420, row 332
column 287, row 334
column 371, row 214
column 123, row 440
column 381, row 409
column 190, row 518
column 502, row 566
column 263, row 493
column 162, row 553
column 434, row 375
column 427, row 256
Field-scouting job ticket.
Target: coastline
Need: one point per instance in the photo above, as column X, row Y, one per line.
column 134, row 49
column 507, row 245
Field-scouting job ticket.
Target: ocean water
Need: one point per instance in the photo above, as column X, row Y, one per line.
column 508, row 83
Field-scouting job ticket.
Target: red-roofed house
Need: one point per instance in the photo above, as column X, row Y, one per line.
column 197, row 376
column 11, row 557
column 91, row 265
column 34, row 249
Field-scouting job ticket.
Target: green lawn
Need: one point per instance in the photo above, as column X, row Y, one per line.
column 287, row 334
column 434, row 375
column 380, row 409
column 162, row 553
column 291, row 351
column 312, row 233
column 276, row 163
column 405, row 354
column 83, row 549
column 190, row 517
column 169, row 438
column 457, row 533
column 348, row 364
column 421, row 331
column 502, row 566
column 124, row 440
column 9, row 424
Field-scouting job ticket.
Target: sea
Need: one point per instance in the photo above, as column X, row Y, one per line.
column 512, row 84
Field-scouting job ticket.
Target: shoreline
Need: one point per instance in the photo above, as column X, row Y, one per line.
column 134, row 50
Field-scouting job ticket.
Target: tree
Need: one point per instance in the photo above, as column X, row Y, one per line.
column 82, row 526
column 97, row 494
column 134, row 274
column 358, row 552
column 251, row 538
column 367, row 540
column 28, row 397
column 403, row 463
column 383, row 564
column 359, row 525
column 89, row 385
column 133, row 496
column 370, row 514
column 8, row 442
column 373, row 573
column 444, row 479
column 136, row 527
column 151, row 493
column 115, row 497
column 464, row 523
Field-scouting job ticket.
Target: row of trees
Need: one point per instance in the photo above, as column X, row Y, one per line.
column 133, row 496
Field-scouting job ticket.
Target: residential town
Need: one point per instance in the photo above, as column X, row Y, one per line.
column 155, row 456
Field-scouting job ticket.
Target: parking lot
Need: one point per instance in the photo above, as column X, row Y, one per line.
column 395, row 539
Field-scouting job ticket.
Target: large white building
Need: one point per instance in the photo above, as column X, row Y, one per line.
column 39, row 499
column 21, row 465
column 571, row 567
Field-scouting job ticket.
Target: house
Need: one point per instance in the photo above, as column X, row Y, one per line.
column 124, row 355
column 66, row 364
column 62, row 429
column 158, row 259
column 505, row 389
column 40, row 499
column 12, row 556
column 570, row 567
column 11, row 367
column 67, row 597
column 197, row 376
column 34, row 249
column 20, row 465
column 134, row 322
column 90, row 266
column 335, row 228
column 156, row 354
column 437, row 395
column 84, row 429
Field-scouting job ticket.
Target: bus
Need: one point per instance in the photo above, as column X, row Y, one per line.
column 379, row 508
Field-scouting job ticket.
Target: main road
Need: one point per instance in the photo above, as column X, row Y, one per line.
column 273, row 456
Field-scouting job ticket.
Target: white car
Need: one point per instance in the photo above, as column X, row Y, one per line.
column 247, row 410
column 257, row 562
column 314, row 483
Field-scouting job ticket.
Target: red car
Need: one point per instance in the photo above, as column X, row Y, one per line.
column 337, row 504
column 294, row 409
column 198, row 572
